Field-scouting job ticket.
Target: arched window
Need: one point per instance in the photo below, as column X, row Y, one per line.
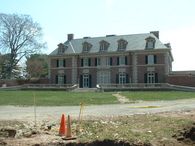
column 104, row 45
column 61, row 48
column 150, row 43
column 86, row 47
column 122, row 44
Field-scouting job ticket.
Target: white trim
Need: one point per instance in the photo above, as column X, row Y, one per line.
column 72, row 47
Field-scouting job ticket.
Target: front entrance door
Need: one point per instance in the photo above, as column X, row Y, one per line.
column 85, row 81
column 104, row 78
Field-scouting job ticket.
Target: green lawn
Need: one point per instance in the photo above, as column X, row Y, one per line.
column 158, row 95
column 61, row 98
column 54, row 98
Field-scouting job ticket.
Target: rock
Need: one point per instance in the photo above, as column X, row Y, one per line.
column 11, row 132
column 35, row 132
column 3, row 143
column 180, row 138
column 27, row 135
column 174, row 135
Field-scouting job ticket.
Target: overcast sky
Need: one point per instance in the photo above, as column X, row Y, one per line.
column 174, row 19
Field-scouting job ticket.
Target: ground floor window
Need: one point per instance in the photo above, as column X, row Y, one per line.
column 122, row 78
column 104, row 78
column 60, row 79
column 151, row 77
column 85, row 81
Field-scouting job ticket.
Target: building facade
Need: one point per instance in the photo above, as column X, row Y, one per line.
column 124, row 59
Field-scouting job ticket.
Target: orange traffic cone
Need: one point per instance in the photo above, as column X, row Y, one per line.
column 62, row 130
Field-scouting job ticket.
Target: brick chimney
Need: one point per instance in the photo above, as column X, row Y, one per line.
column 70, row 36
column 156, row 33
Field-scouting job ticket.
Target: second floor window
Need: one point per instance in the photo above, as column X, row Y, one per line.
column 151, row 59
column 61, row 63
column 85, row 62
column 98, row 61
column 122, row 60
column 109, row 61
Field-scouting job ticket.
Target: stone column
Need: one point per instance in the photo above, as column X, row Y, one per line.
column 134, row 68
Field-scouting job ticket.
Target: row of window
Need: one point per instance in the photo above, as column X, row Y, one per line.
column 122, row 78
column 104, row 45
column 150, row 59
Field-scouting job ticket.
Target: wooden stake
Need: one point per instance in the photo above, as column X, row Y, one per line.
column 35, row 108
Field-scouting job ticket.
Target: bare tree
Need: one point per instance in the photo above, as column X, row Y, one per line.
column 19, row 36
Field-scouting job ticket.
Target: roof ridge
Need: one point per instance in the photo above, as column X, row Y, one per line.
column 110, row 36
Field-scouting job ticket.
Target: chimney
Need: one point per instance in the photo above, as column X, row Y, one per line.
column 70, row 37
column 156, row 33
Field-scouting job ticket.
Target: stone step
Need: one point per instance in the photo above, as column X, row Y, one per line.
column 85, row 90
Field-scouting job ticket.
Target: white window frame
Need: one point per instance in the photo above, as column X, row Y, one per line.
column 86, row 62
column 103, row 47
column 85, row 81
column 122, row 78
column 61, row 63
column 60, row 79
column 121, row 46
column 98, row 61
column 151, row 77
column 122, row 60
column 85, row 48
column 150, row 44
column 104, row 78
column 108, row 61
column 61, row 50
column 150, row 59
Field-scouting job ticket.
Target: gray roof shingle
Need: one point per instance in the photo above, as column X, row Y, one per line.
column 135, row 42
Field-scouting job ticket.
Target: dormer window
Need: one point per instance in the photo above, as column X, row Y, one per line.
column 122, row 44
column 104, row 45
column 61, row 48
column 86, row 47
column 150, row 43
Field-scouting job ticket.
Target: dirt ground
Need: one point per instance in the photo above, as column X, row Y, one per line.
column 42, row 136
column 23, row 132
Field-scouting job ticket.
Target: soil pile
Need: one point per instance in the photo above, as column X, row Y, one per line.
column 187, row 134
column 105, row 142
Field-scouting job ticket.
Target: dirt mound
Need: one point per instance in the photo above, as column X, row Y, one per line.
column 105, row 142
column 187, row 134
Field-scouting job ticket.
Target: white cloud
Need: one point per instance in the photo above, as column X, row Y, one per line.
column 109, row 3
column 183, row 47
column 176, row 5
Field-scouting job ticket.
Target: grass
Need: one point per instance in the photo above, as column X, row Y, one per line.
column 158, row 95
column 145, row 129
column 54, row 98
column 61, row 98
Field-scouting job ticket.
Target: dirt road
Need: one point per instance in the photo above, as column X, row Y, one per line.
column 28, row 113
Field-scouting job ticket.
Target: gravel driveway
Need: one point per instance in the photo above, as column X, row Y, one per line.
column 27, row 113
